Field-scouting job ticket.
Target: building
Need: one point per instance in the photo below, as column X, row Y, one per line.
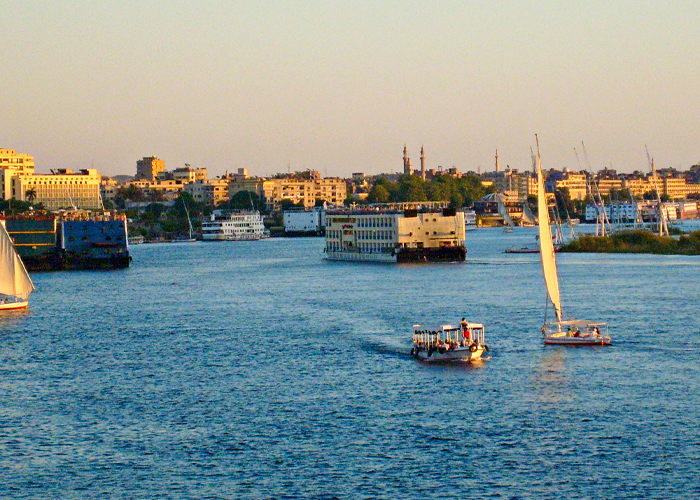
column 11, row 165
column 573, row 182
column 211, row 192
column 186, row 174
column 63, row 188
column 515, row 185
column 305, row 192
column 149, row 168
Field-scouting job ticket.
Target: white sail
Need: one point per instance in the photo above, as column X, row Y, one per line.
column 503, row 212
column 14, row 279
column 549, row 264
column 528, row 216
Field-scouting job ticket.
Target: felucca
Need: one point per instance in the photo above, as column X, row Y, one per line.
column 571, row 332
column 15, row 283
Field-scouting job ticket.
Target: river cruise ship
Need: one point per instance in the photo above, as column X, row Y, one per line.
column 233, row 225
column 397, row 232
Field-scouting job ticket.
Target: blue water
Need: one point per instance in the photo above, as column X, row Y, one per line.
column 258, row 370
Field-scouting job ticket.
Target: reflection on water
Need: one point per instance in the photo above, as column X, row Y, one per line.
column 551, row 383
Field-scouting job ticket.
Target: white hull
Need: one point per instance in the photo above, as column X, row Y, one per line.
column 223, row 237
column 361, row 257
column 9, row 306
column 576, row 341
column 459, row 354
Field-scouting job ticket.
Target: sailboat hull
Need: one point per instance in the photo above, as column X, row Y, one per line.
column 577, row 341
column 10, row 306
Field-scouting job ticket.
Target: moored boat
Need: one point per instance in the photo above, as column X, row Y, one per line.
column 396, row 232
column 447, row 343
column 238, row 225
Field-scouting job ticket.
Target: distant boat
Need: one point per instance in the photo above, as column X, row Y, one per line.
column 560, row 332
column 470, row 222
column 190, row 238
column 503, row 212
column 528, row 219
column 15, row 283
column 237, row 225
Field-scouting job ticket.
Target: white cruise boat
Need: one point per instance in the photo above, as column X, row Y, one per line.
column 396, row 232
column 470, row 222
column 236, row 225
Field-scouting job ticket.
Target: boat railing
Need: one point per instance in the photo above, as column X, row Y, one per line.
column 456, row 337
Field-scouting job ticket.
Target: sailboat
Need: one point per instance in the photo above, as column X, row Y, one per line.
column 560, row 332
column 15, row 283
column 189, row 221
column 503, row 212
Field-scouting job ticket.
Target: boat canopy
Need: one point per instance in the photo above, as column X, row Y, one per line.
column 579, row 323
column 448, row 328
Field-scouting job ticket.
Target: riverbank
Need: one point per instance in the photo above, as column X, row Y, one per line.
column 636, row 241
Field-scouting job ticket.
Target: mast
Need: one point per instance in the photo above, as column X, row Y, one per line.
column 663, row 225
column 549, row 264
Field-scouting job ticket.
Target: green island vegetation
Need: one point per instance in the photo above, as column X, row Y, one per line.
column 636, row 241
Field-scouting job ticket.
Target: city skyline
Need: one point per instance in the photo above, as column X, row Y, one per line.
column 341, row 87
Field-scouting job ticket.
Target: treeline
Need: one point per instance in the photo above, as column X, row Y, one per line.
column 460, row 192
column 636, row 241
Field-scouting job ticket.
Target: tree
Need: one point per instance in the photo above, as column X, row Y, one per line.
column 378, row 194
column 287, row 204
column 30, row 195
column 244, row 200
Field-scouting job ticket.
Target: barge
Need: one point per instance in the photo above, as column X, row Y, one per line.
column 396, row 232
column 70, row 240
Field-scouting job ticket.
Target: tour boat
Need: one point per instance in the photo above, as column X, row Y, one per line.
column 238, row 225
column 560, row 332
column 448, row 343
column 15, row 283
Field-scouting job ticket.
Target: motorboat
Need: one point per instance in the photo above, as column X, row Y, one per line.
column 447, row 343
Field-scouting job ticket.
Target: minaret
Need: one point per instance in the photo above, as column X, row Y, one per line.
column 406, row 161
column 422, row 162
column 496, row 161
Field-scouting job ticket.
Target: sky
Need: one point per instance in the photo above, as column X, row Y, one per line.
column 341, row 86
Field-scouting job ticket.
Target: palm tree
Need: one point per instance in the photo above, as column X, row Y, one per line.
column 30, row 195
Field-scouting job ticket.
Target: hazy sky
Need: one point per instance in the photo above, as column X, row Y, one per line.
column 341, row 86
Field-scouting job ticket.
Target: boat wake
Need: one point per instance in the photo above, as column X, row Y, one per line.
column 501, row 262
